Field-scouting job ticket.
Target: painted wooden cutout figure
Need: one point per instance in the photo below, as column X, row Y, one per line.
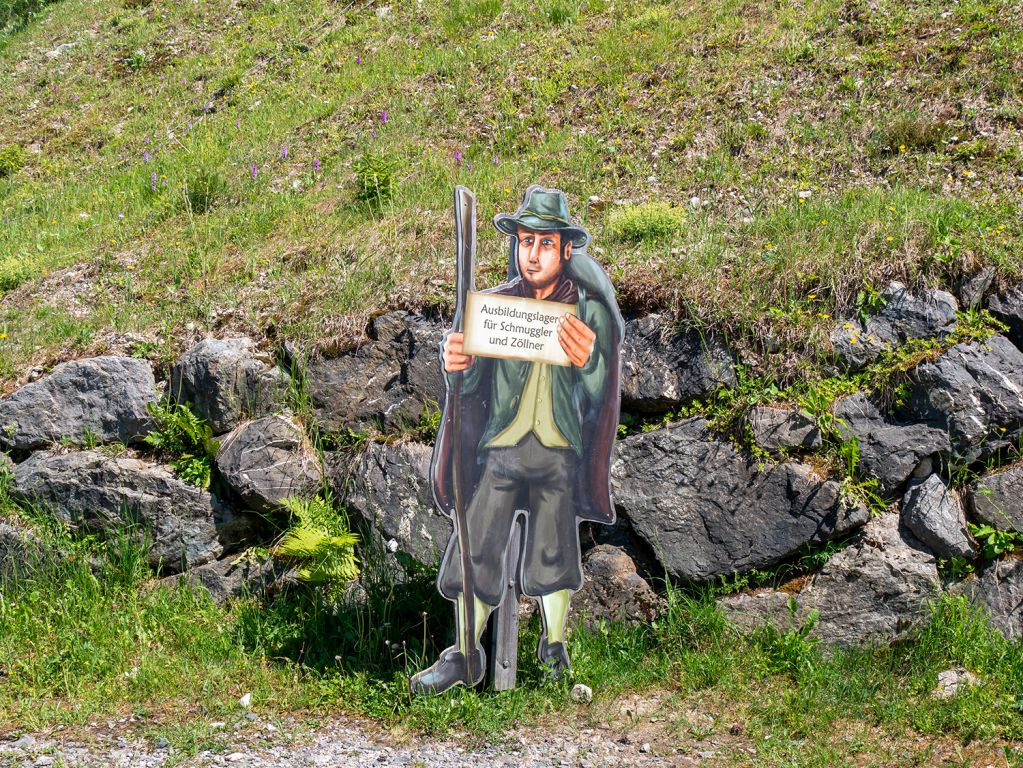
column 521, row 441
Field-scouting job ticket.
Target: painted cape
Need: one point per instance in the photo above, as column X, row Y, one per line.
column 584, row 281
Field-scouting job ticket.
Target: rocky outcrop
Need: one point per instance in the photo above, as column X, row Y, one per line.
column 904, row 316
column 96, row 493
column 100, row 399
column 662, row 367
column 783, row 429
column 227, row 380
column 997, row 499
column 764, row 607
column 707, row 510
column 975, row 392
column 613, row 591
column 971, row 289
column 1008, row 307
column 889, row 451
column 388, row 487
column 384, row 383
column 997, row 588
column 934, row 514
column 267, row 461
column 237, row 577
column 874, row 590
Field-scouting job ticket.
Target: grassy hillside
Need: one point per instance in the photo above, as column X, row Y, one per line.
column 285, row 168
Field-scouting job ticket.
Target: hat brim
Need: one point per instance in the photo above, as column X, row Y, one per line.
column 509, row 224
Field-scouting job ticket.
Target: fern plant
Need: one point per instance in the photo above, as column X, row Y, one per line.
column 185, row 437
column 318, row 542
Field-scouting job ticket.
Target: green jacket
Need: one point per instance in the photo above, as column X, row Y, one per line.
column 573, row 390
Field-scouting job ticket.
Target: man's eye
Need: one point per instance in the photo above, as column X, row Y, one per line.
column 548, row 241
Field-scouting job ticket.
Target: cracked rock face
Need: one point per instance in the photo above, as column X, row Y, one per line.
column 904, row 316
column 889, row 451
column 780, row 429
column 997, row 499
column 387, row 382
column 997, row 587
column 974, row 391
column 874, row 590
column 706, row 510
column 934, row 513
column 612, row 590
column 100, row 398
column 389, row 488
column 1008, row 307
column 662, row 367
column 96, row 493
column 267, row 461
column 226, row 381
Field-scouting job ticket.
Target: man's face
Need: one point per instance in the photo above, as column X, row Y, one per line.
column 540, row 257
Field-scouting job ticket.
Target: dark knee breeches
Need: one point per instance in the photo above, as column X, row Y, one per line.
column 527, row 477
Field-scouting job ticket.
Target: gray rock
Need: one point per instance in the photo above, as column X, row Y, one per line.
column 889, row 451
column 975, row 391
column 235, row 577
column 613, row 591
column 952, row 681
column 661, row 367
column 707, row 510
column 269, row 460
column 767, row 607
column 997, row 588
column 1008, row 307
column 386, row 383
column 997, row 499
column 904, row 316
column 227, row 380
column 20, row 551
column 934, row 513
column 99, row 398
column 781, row 429
column 971, row 289
column 96, row 493
column 874, row 590
column 389, row 488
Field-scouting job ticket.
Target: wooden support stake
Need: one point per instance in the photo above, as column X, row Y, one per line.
column 504, row 649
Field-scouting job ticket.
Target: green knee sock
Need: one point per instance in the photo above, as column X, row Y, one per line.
column 481, row 612
column 555, row 614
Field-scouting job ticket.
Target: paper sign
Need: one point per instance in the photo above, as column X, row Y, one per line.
column 515, row 328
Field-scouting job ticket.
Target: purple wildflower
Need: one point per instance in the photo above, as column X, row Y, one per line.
column 238, row 123
column 54, row 87
column 358, row 59
column 383, row 117
column 152, row 181
column 469, row 166
column 316, row 163
column 495, row 161
column 255, row 170
column 145, row 156
column 76, row 98
column 189, row 125
column 458, row 156
column 146, row 140
column 373, row 133
column 284, row 152
column 184, row 79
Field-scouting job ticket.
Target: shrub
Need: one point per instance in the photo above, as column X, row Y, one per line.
column 12, row 160
column 204, row 189
column 374, row 179
column 186, row 437
column 318, row 542
column 648, row 221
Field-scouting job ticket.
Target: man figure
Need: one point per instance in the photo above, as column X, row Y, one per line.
column 535, row 437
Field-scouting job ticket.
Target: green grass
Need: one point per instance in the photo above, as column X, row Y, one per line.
column 875, row 111
column 78, row 643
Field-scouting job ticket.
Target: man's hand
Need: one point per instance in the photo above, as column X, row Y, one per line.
column 576, row 339
column 454, row 359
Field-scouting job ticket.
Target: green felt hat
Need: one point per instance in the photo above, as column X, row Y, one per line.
column 543, row 210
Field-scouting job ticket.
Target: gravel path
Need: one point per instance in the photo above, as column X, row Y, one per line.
column 345, row 743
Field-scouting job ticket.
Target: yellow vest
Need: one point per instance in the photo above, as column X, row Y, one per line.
column 536, row 414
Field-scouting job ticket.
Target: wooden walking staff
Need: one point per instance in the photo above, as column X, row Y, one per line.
column 465, row 237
